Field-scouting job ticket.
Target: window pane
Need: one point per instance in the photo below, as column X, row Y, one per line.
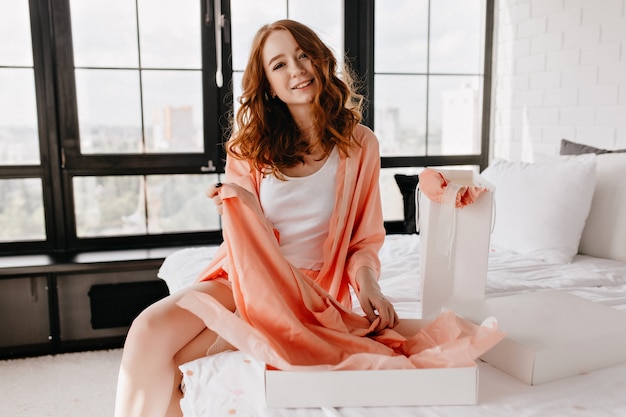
column 247, row 17
column 109, row 206
column 21, row 210
column 400, row 114
column 177, row 203
column 457, row 29
column 116, row 205
column 15, row 40
column 172, row 112
column 19, row 141
column 169, row 33
column 454, row 115
column 109, row 111
column 104, row 33
column 401, row 36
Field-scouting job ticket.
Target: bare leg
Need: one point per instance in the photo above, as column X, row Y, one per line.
column 162, row 337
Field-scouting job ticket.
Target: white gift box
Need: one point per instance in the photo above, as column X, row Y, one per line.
column 551, row 334
column 359, row 388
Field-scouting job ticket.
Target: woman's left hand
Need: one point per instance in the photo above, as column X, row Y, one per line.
column 373, row 302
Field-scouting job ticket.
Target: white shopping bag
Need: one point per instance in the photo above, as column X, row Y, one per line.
column 454, row 243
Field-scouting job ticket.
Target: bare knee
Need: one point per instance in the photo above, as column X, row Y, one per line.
column 171, row 332
column 143, row 328
column 154, row 331
column 142, row 334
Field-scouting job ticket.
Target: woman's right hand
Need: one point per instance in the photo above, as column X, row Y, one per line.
column 213, row 193
column 233, row 190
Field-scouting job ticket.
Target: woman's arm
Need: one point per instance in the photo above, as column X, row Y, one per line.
column 368, row 233
column 367, row 238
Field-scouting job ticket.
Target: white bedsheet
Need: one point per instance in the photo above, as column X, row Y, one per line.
column 231, row 384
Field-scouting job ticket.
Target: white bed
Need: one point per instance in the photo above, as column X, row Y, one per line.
column 231, row 383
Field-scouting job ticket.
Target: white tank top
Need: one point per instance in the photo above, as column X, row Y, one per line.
column 300, row 209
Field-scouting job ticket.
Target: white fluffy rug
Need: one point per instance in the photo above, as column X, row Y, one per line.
column 67, row 385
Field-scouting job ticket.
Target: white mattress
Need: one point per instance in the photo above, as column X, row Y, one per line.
column 232, row 383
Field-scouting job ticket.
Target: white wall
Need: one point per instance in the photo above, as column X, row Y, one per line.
column 559, row 72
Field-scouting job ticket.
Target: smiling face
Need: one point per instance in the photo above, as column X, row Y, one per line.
column 289, row 70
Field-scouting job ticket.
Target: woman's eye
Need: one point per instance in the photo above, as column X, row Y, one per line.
column 278, row 66
column 303, row 55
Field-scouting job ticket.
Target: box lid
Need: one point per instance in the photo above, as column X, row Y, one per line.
column 551, row 334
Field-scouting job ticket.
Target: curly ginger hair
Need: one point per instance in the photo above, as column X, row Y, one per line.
column 263, row 130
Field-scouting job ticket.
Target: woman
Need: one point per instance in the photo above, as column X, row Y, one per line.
column 300, row 203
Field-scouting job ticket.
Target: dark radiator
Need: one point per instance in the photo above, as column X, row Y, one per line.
column 117, row 305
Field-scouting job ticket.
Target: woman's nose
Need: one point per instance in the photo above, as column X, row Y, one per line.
column 297, row 68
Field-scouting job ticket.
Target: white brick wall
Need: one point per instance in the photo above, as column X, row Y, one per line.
column 559, row 72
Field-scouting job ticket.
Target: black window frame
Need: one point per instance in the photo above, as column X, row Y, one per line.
column 46, row 121
column 359, row 46
column 75, row 164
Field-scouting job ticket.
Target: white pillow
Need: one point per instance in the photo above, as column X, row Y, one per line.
column 541, row 207
column 604, row 235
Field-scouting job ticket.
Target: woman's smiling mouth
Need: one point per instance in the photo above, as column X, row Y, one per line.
column 303, row 85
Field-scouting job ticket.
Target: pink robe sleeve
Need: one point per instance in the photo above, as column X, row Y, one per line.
column 239, row 172
column 368, row 232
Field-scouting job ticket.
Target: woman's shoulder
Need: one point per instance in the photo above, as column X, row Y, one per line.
column 367, row 146
column 364, row 135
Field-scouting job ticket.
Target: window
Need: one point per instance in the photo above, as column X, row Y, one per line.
column 113, row 112
column 117, row 96
column 428, row 63
column 22, row 216
column 135, row 140
column 431, row 87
